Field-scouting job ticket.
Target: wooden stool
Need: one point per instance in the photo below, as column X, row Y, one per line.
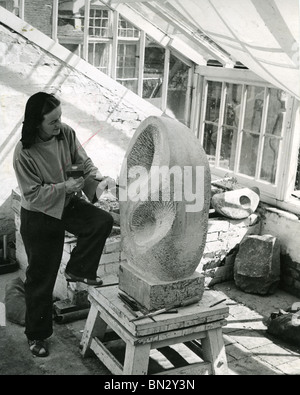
column 191, row 325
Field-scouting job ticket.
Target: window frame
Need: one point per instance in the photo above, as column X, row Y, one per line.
column 278, row 194
column 99, row 39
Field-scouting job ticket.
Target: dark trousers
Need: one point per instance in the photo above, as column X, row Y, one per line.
column 43, row 238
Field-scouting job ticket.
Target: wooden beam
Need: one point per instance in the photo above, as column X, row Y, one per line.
column 190, row 33
column 54, row 19
column 141, row 63
column 164, row 104
column 114, row 45
column 85, row 51
column 22, row 9
column 156, row 33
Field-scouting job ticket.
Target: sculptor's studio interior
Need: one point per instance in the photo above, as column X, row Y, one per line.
column 189, row 112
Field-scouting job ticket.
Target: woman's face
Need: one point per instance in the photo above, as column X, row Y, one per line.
column 51, row 124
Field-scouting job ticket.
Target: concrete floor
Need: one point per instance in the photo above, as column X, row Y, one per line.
column 249, row 349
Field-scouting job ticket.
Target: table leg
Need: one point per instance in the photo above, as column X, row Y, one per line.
column 136, row 359
column 214, row 351
column 95, row 326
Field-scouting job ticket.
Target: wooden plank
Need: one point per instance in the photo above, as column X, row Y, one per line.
column 152, row 334
column 54, row 20
column 115, row 325
column 214, row 351
column 179, row 339
column 106, row 357
column 201, row 369
column 196, row 314
column 94, row 326
column 85, row 51
column 136, row 359
column 181, row 335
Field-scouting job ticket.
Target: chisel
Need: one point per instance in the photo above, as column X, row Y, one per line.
column 185, row 303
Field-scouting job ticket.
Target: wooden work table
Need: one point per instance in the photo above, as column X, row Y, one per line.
column 197, row 326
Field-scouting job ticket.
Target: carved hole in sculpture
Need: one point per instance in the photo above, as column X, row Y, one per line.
column 245, row 201
column 143, row 151
column 151, row 221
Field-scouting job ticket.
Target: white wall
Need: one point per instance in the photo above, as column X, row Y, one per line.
column 103, row 113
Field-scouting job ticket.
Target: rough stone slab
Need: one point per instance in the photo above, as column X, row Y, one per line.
column 155, row 294
column 257, row 264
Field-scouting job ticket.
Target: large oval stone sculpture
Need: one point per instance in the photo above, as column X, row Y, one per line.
column 164, row 207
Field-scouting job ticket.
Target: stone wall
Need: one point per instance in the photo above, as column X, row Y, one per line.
column 223, row 238
column 39, row 14
column 103, row 113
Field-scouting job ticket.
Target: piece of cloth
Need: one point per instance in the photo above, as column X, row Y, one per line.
column 15, row 306
column 43, row 238
column 41, row 171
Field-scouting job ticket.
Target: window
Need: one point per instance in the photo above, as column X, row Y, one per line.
column 99, row 25
column 177, row 99
column 100, row 39
column 126, row 29
column 98, row 55
column 153, row 72
column 243, row 130
column 127, row 73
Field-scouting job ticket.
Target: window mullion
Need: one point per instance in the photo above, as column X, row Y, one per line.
column 165, row 80
column 262, row 134
column 115, row 41
column 220, row 123
column 240, row 129
column 141, row 62
column 85, row 51
column 203, row 112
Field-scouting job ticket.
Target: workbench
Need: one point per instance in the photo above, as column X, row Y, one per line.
column 198, row 327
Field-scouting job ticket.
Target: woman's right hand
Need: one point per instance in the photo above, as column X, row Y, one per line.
column 73, row 185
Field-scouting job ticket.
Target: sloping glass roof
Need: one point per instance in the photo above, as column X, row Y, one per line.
column 261, row 34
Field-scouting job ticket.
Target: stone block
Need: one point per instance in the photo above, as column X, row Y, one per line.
column 257, row 264
column 154, row 294
column 237, row 204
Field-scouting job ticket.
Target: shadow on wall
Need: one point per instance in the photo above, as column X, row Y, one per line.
column 81, row 97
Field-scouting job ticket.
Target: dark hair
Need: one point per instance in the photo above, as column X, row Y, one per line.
column 37, row 106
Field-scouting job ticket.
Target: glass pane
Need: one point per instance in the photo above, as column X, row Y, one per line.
column 228, row 147
column 249, row 154
column 177, row 88
column 130, row 84
column 297, row 182
column 214, row 92
column 210, row 141
column 276, row 111
column 99, row 23
column 70, row 23
column 153, row 72
column 270, row 159
column 254, row 108
column 98, row 56
column 126, row 61
column 126, row 29
column 232, row 104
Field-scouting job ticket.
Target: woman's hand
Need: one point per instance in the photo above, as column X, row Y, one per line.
column 106, row 183
column 73, row 185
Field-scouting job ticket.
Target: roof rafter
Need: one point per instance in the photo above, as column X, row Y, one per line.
column 155, row 32
column 191, row 33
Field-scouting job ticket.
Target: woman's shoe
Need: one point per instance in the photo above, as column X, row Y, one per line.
column 71, row 278
column 38, row 348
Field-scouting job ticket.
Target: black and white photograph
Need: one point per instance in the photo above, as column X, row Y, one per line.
column 149, row 190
